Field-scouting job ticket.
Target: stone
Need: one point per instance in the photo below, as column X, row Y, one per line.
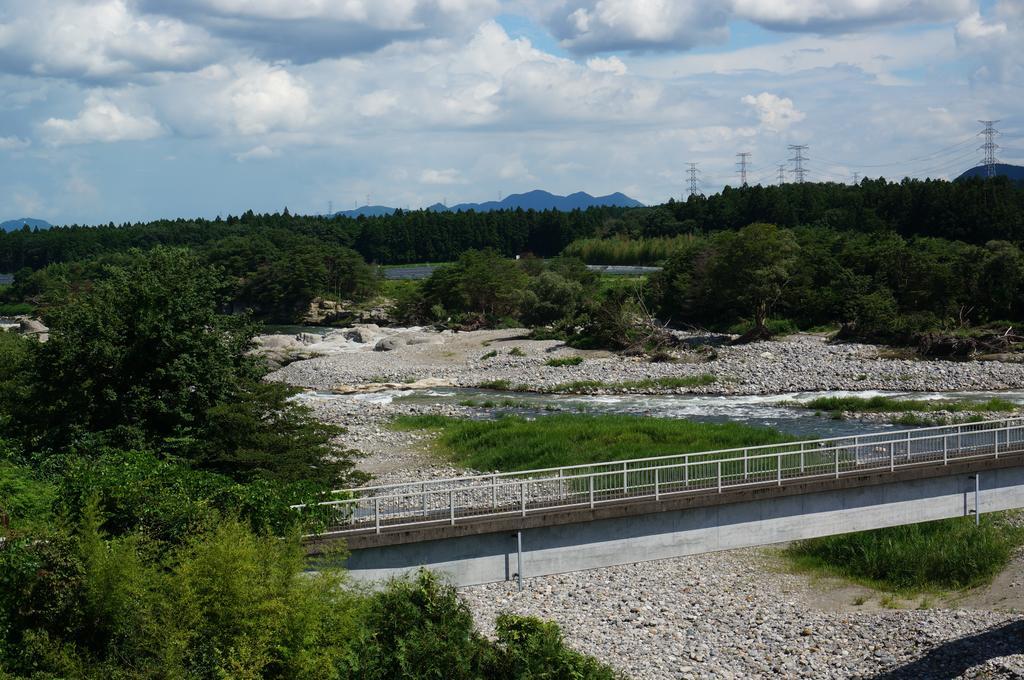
column 387, row 345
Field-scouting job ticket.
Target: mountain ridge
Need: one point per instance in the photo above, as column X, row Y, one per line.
column 1013, row 172
column 538, row 199
column 32, row 222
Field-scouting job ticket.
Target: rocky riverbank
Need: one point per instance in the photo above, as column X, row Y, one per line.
column 364, row 356
column 735, row 614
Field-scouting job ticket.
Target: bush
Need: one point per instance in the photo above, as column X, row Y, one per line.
column 951, row 553
column 564, row 361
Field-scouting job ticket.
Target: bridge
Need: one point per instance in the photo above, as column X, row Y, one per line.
column 509, row 526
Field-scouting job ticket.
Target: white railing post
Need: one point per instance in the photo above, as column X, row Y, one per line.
column 561, row 484
column 591, row 478
column 746, row 460
column 945, row 449
column 423, row 493
column 625, row 478
column 996, row 433
column 836, row 449
column 802, row 458
column 778, row 469
column 719, row 475
column 908, row 446
column 522, row 497
column 892, row 456
column 657, row 492
column 494, row 492
column 451, row 505
column 376, row 515
column 686, row 472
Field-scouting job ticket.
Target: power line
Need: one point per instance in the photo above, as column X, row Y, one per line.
column 990, row 146
column 798, row 161
column 743, row 156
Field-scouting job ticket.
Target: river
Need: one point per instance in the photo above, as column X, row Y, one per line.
column 776, row 411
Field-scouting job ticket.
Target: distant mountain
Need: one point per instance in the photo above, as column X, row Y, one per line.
column 15, row 225
column 531, row 200
column 1014, row 172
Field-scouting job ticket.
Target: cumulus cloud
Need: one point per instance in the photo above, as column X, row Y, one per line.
column 303, row 31
column 256, row 153
column 13, row 143
column 96, row 40
column 446, row 176
column 101, row 120
column 840, row 16
column 610, row 65
column 589, row 26
column 993, row 41
column 774, row 112
column 268, row 98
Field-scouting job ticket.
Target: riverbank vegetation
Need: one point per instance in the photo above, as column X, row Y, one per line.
column 513, row 443
column 949, row 554
column 890, row 261
column 881, row 404
column 146, row 474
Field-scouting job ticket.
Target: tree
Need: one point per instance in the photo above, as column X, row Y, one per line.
column 753, row 266
column 143, row 348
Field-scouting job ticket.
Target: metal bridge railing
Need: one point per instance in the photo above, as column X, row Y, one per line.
column 376, row 508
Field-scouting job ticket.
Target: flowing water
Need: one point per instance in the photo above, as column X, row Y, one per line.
column 776, row 411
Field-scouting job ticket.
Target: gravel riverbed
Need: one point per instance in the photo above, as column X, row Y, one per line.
column 734, row 614
column 795, row 363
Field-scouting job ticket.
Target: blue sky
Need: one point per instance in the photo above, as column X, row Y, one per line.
column 125, row 110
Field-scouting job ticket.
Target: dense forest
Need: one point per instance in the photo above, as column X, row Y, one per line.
column 974, row 211
column 886, row 261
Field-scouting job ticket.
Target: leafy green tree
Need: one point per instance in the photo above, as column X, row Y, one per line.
column 144, row 348
column 753, row 267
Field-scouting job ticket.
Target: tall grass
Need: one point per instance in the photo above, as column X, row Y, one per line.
column 948, row 554
column 624, row 251
column 667, row 382
column 880, row 404
column 513, row 443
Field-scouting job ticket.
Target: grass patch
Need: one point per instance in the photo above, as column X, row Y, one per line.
column 645, row 384
column 495, row 385
column 950, row 554
column 514, row 443
column 564, row 361
column 16, row 309
column 882, row 404
column 516, row 352
column 489, row 355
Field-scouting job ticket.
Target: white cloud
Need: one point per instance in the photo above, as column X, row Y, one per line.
column 13, row 143
column 589, row 26
column 268, row 98
column 610, row 65
column 840, row 16
column 775, row 113
column 101, row 121
column 993, row 42
column 446, row 176
column 96, row 40
column 260, row 152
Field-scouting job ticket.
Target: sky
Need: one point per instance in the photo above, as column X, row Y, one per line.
column 129, row 110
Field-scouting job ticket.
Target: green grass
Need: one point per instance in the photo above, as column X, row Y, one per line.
column 564, row 361
column 890, row 405
column 16, row 309
column 489, row 355
column 495, row 385
column 516, row 352
column 514, row 443
column 946, row 555
column 645, row 384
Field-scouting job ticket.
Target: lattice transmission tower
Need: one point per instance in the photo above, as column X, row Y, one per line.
column 990, row 146
column 782, row 173
column 742, row 166
column 798, row 161
column 692, row 171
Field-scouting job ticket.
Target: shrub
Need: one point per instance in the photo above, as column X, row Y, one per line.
column 564, row 361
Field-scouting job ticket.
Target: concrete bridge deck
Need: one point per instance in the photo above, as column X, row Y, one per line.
column 493, row 527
